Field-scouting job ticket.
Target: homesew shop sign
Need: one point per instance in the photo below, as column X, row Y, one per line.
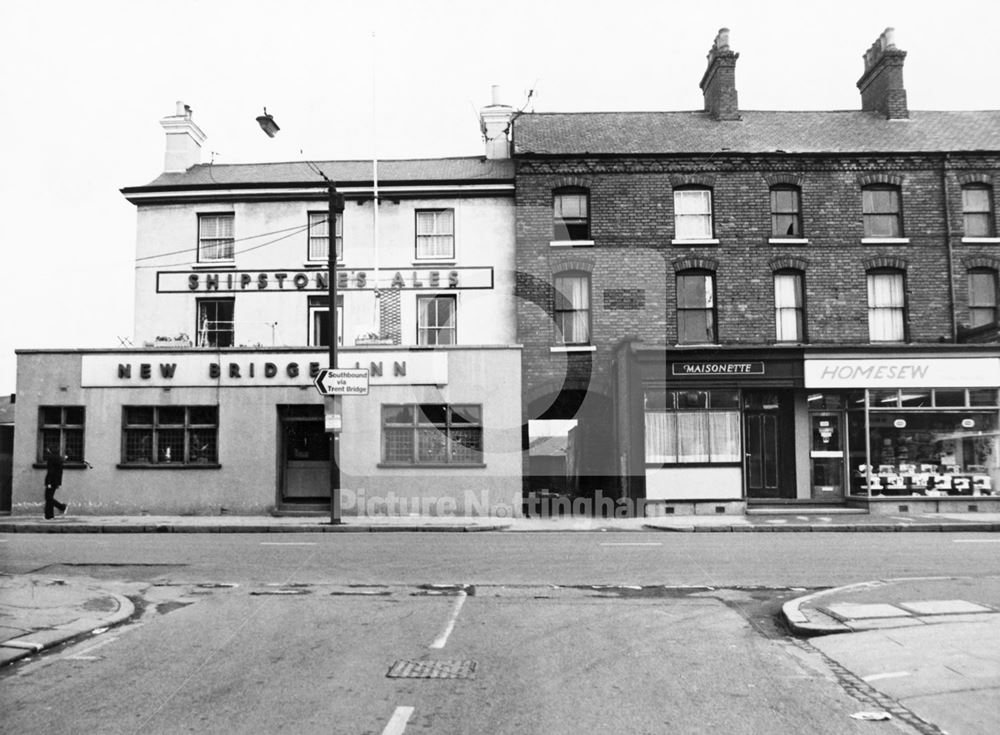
column 912, row 372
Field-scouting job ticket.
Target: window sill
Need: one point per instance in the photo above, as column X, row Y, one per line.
column 981, row 240
column 885, row 241
column 66, row 466
column 321, row 264
column 571, row 243
column 215, row 265
column 695, row 243
column 430, row 465
column 169, row 466
column 574, row 348
column 429, row 262
column 787, row 241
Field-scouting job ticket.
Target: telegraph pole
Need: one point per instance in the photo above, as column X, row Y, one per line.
column 336, row 207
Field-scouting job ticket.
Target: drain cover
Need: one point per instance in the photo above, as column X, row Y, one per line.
column 405, row 669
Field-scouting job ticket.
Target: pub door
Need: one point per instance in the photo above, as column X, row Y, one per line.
column 304, row 456
column 769, row 444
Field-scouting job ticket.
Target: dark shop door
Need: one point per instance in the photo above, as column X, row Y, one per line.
column 770, row 442
column 305, row 455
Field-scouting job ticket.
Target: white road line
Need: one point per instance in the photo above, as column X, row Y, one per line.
column 644, row 543
column 398, row 722
column 82, row 655
column 442, row 639
column 887, row 675
column 976, row 540
column 287, row 543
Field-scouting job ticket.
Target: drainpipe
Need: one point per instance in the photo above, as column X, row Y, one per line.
column 949, row 248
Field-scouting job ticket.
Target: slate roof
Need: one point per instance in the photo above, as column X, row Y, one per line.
column 344, row 173
column 854, row 131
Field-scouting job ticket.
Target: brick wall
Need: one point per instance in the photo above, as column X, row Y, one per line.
column 632, row 262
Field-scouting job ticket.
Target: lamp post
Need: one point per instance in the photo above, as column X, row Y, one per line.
column 335, row 202
column 336, row 206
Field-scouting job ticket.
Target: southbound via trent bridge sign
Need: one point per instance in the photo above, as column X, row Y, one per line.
column 342, row 382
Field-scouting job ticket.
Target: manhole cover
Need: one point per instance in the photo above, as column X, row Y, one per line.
column 404, row 669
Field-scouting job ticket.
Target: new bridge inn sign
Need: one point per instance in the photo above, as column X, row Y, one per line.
column 255, row 369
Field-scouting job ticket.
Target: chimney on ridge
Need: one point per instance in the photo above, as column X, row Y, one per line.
column 184, row 140
column 494, row 121
column 719, row 82
column 882, row 83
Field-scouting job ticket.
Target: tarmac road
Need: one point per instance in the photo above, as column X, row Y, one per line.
column 550, row 657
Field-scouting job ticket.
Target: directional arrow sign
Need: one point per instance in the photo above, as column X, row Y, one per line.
column 342, row 382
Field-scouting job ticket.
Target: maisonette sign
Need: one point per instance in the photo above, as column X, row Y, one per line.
column 245, row 370
column 702, row 369
column 315, row 279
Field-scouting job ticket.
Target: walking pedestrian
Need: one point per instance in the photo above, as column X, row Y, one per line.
column 53, row 480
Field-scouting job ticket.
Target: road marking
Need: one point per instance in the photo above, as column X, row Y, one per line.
column 887, row 675
column 643, row 543
column 825, row 519
column 82, row 655
column 398, row 721
column 977, row 540
column 442, row 639
column 287, row 543
column 902, row 518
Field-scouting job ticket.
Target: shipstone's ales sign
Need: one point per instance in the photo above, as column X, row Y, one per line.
column 702, row 369
column 313, row 279
column 254, row 369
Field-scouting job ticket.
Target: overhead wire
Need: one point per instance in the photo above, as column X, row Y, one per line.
column 297, row 230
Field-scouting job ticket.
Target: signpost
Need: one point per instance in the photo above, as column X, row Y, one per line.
column 342, row 382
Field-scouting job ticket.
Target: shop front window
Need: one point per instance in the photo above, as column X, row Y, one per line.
column 692, row 426
column 927, row 442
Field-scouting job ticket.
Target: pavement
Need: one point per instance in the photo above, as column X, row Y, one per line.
column 922, row 649
column 792, row 520
column 925, row 650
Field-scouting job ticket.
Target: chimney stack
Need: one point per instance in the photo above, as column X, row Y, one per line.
column 184, row 140
column 882, row 83
column 494, row 121
column 719, row 82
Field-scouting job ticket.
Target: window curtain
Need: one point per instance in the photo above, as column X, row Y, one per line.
column 788, row 307
column 434, row 234
column 724, row 435
column 661, row 432
column 885, row 307
column 573, row 308
column 692, row 436
column 693, row 214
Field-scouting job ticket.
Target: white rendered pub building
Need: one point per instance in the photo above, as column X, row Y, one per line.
column 215, row 408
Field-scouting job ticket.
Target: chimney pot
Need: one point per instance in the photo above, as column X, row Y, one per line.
column 718, row 84
column 184, row 140
column 494, row 121
column 881, row 85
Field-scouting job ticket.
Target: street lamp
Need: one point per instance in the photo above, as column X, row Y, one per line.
column 335, row 202
column 336, row 206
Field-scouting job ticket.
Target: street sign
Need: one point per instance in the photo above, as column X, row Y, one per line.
column 342, row 382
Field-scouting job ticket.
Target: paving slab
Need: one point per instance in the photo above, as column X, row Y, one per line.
column 943, row 607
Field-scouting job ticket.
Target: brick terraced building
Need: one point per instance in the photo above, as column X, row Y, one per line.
column 742, row 308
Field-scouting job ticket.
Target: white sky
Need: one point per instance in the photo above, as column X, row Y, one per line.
column 84, row 85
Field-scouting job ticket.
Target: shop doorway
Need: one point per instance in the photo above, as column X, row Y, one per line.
column 826, row 455
column 769, row 445
column 304, row 459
